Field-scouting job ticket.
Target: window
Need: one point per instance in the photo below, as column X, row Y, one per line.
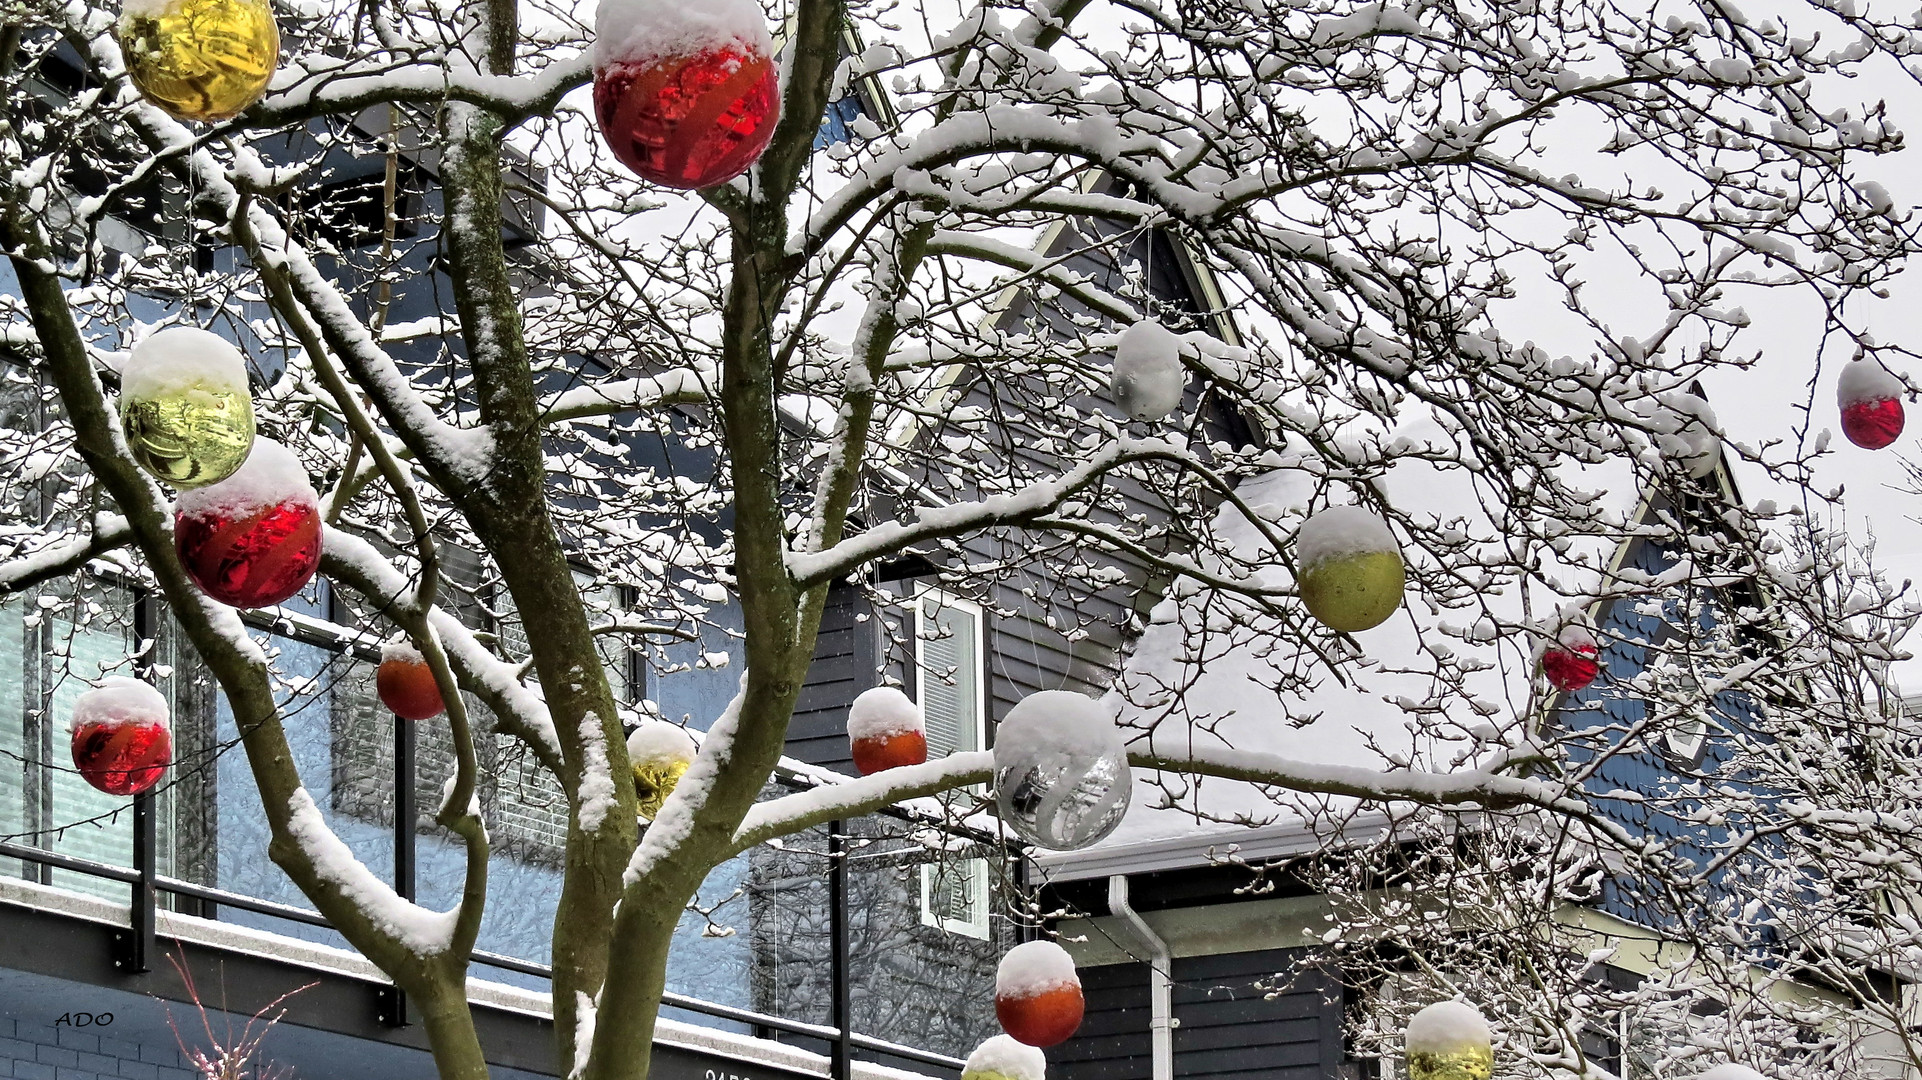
column 947, row 672
column 954, row 896
column 948, row 675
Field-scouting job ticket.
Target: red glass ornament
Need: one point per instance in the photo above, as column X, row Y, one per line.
column 1873, row 425
column 689, row 121
column 1042, row 1019
column 872, row 755
column 251, row 560
column 1571, row 667
column 122, row 758
column 408, row 689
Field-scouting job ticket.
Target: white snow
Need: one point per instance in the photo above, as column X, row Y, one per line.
column 1865, row 380
column 400, row 649
column 420, row 930
column 636, row 31
column 270, row 476
column 119, row 702
column 1148, row 376
column 883, row 711
column 1002, row 1055
column 658, row 741
column 180, row 358
column 1576, row 638
column 1052, row 724
column 151, row 9
column 1341, row 531
column 597, row 776
column 1032, row 968
column 1731, row 1071
column 1446, row 1026
column 1693, row 440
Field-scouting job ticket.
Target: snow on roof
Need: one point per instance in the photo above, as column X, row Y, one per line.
column 1235, row 678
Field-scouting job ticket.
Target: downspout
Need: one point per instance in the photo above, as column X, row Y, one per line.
column 1160, row 984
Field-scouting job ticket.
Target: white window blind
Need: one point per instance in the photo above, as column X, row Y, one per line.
column 948, row 672
column 954, row 896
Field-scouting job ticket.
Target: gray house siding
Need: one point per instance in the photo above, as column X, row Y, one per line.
column 1266, row 1015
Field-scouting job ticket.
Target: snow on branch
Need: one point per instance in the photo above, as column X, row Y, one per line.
column 682, row 386
column 64, row 555
column 934, row 522
column 420, row 930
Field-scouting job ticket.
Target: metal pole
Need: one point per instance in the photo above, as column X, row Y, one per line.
column 393, row 1003
column 840, row 1003
column 135, row 947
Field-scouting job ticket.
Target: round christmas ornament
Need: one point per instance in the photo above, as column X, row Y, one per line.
column 886, row 731
column 687, row 94
column 1037, row 994
column 122, row 736
column 252, row 540
column 1148, row 376
column 185, row 407
column 406, row 684
column 1350, row 568
column 1002, row 1058
column 199, row 59
column 1061, row 774
column 1871, row 402
column 1449, row 1040
column 1573, row 661
column 660, row 753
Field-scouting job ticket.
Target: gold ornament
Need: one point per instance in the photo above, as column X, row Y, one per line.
column 1354, row 592
column 192, row 436
column 1465, row 1063
column 200, row 59
column 653, row 782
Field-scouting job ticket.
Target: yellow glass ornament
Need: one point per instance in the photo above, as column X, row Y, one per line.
column 185, row 406
column 653, row 782
column 192, row 437
column 200, row 59
column 1467, row 1063
column 1354, row 592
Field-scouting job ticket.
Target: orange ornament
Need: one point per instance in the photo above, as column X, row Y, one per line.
column 406, row 684
column 872, row 755
column 1037, row 994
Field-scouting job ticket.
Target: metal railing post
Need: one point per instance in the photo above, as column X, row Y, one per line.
column 840, row 1003
column 393, row 1003
column 134, row 947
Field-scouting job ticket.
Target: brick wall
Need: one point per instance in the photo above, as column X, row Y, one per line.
column 32, row 1051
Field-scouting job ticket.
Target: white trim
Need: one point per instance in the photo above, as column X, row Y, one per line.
column 942, row 598
column 1209, row 848
column 974, row 874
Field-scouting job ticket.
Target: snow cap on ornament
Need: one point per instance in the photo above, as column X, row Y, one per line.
column 659, row 753
column 252, row 540
column 686, row 94
column 1004, row 1058
column 122, row 736
column 886, row 730
column 1350, row 569
column 1061, row 772
column 406, row 683
column 1037, row 994
column 1449, row 1040
column 1870, row 398
column 1730, row 1071
column 185, row 406
column 1573, row 660
column 1148, row 376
